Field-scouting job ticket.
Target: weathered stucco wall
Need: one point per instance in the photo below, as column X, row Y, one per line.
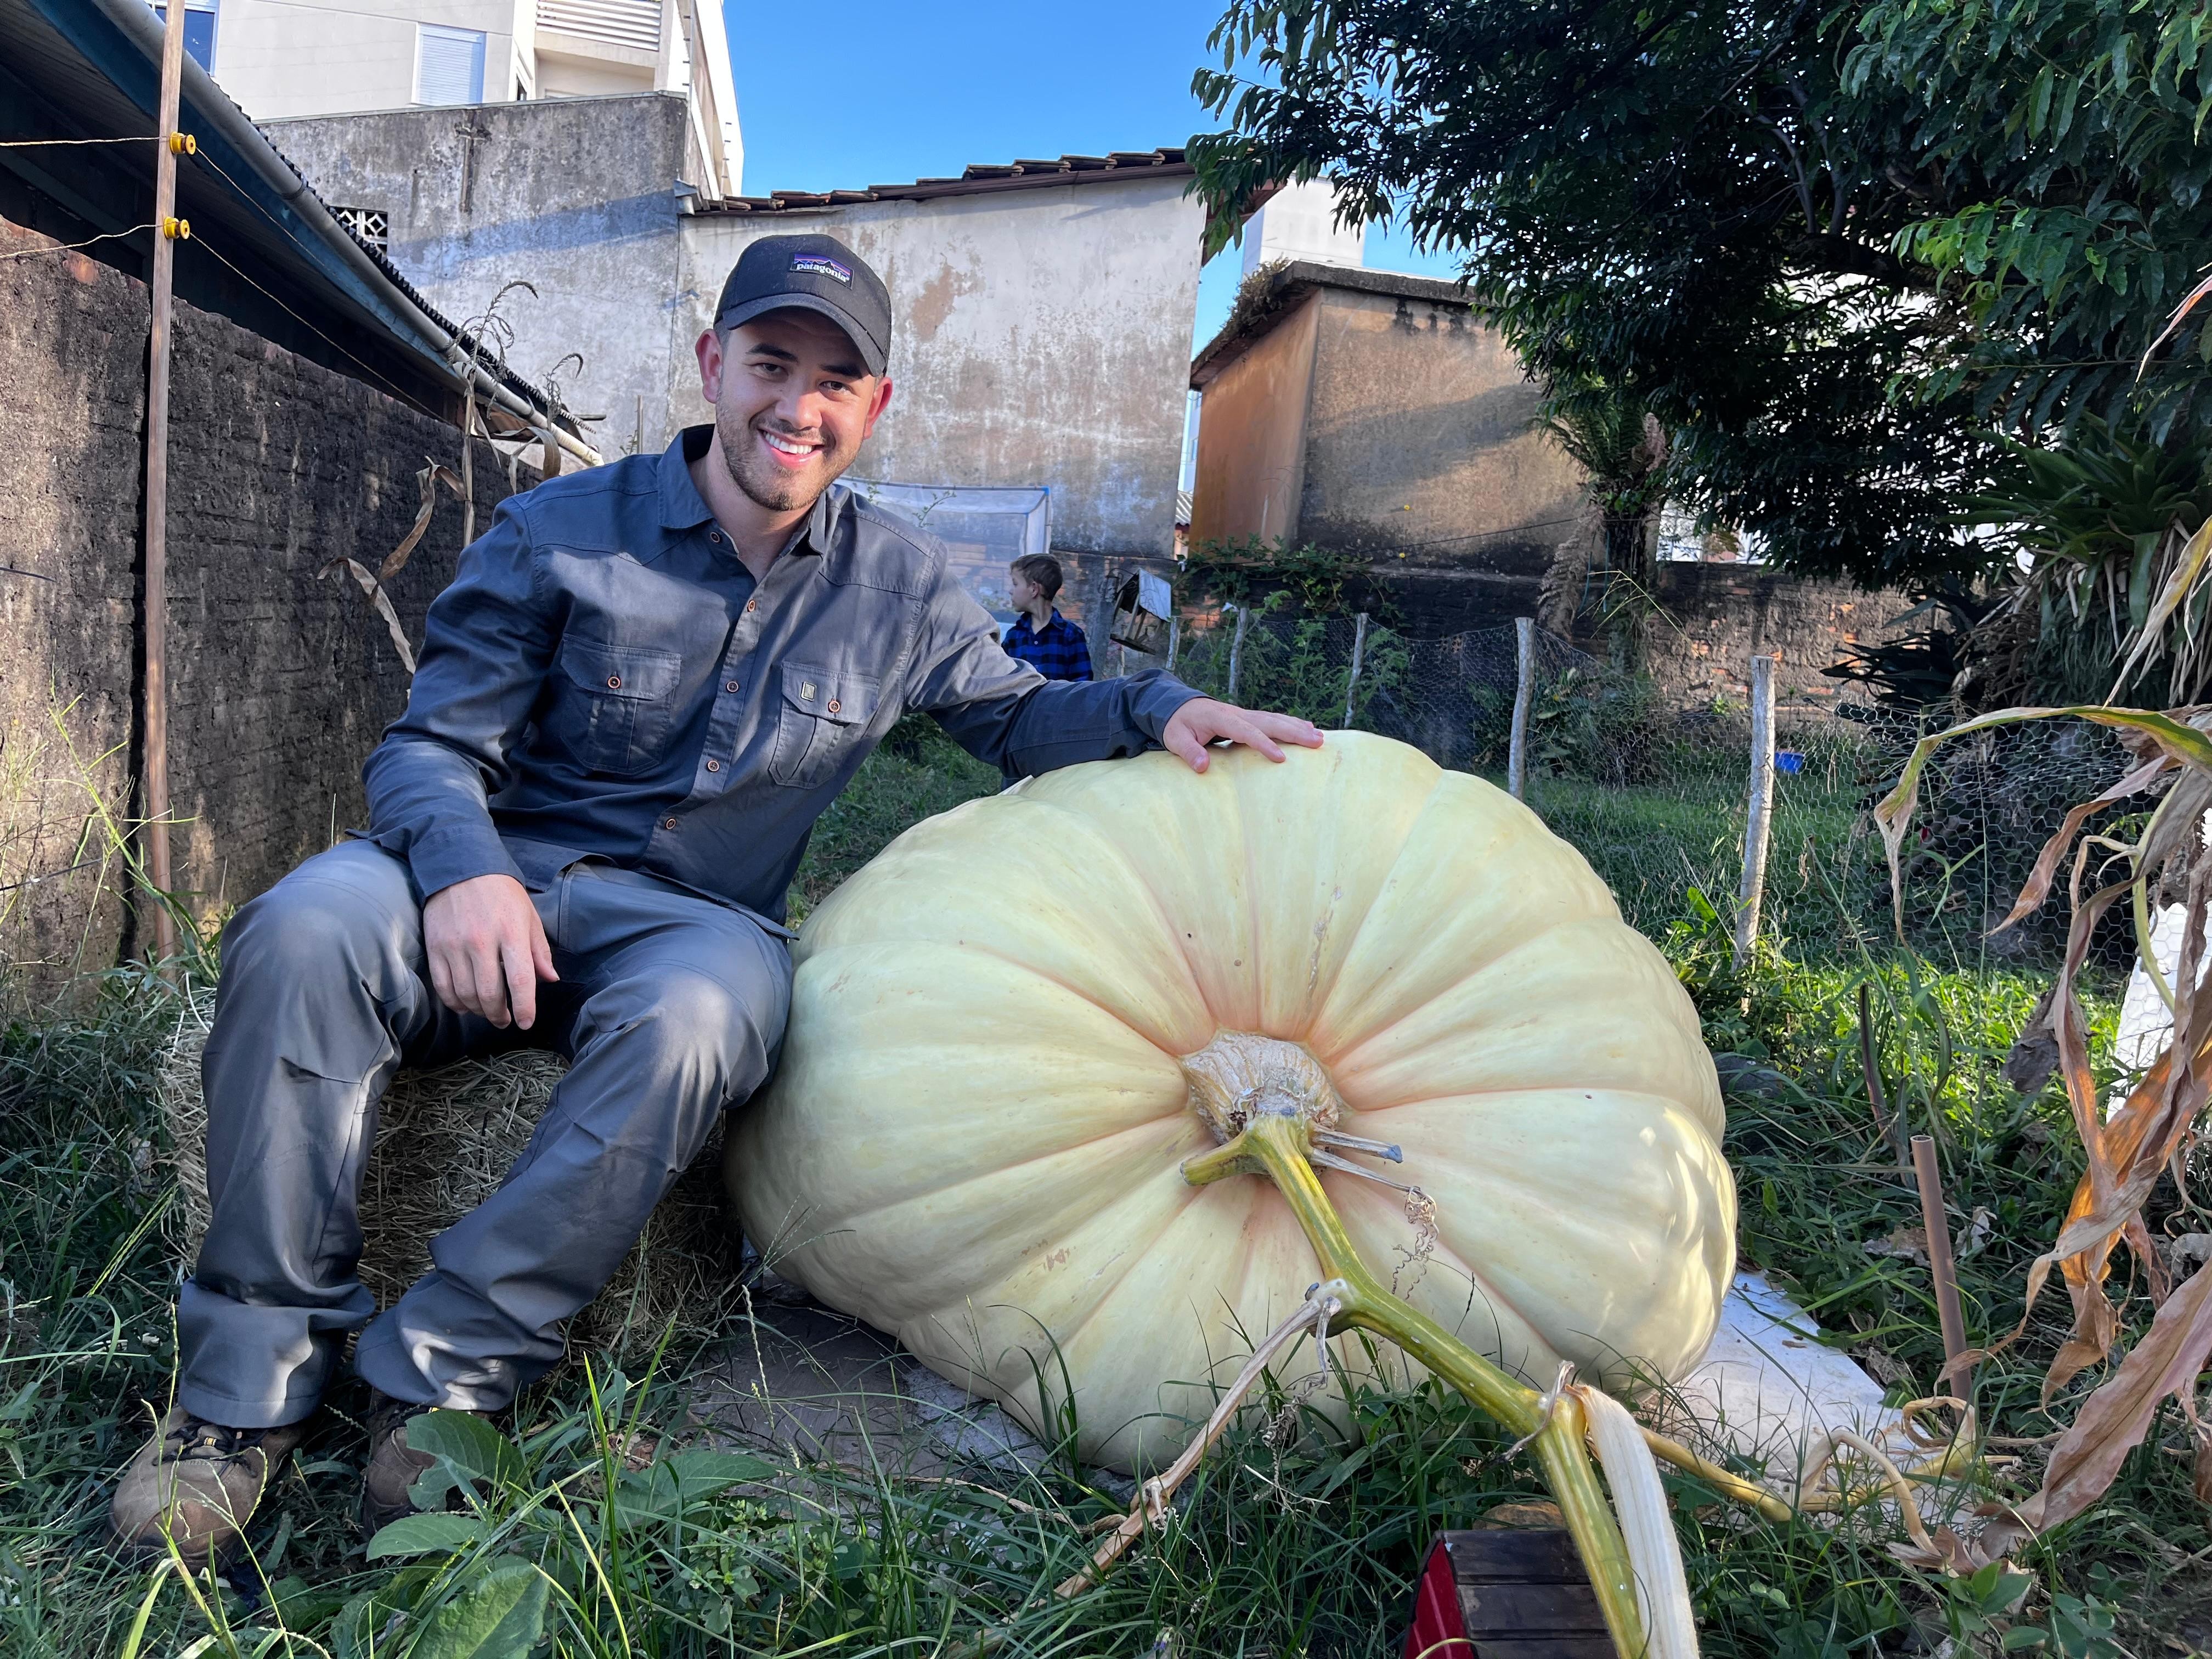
column 1252, row 436
column 1419, row 440
column 574, row 196
column 1039, row 336
column 1412, row 444
column 281, row 681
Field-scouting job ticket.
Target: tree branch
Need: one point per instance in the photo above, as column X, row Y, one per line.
column 1840, row 256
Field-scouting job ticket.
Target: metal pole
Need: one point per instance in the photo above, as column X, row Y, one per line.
column 1945, row 1271
column 1358, row 649
column 1756, row 823
column 1175, row 630
column 1524, row 692
column 1236, row 651
column 165, row 232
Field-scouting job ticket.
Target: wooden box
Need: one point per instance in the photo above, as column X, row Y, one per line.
column 1503, row 1592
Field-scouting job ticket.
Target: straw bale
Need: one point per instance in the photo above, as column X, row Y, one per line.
column 444, row 1139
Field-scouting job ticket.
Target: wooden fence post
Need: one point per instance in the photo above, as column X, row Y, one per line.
column 1757, row 823
column 1358, row 650
column 1524, row 691
column 1236, row 650
column 163, row 274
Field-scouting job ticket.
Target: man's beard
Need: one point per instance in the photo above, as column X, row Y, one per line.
column 768, row 485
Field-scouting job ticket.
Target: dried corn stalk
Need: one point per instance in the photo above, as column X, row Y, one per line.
column 2128, row 1152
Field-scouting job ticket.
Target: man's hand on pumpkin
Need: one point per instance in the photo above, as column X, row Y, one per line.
column 1203, row 721
column 486, row 949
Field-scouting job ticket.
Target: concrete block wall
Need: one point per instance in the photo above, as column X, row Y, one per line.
column 1716, row 617
column 281, row 680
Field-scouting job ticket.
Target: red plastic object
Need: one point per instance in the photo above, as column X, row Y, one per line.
column 1501, row 1592
column 1438, row 1632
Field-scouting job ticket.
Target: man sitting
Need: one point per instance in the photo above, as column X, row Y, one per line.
column 645, row 683
column 1041, row 636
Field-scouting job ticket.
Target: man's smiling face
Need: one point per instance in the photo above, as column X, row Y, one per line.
column 792, row 403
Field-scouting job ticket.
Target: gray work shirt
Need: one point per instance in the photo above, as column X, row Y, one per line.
column 604, row 679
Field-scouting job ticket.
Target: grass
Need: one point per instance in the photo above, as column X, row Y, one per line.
column 595, row 1519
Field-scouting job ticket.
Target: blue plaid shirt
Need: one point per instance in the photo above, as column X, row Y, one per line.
column 1056, row 651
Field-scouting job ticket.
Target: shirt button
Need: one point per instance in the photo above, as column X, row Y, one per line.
column 614, row 681
column 668, row 824
column 833, row 705
column 729, row 685
column 714, row 766
column 752, row 606
column 715, row 537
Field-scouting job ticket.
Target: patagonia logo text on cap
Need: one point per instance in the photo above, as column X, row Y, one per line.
column 816, row 264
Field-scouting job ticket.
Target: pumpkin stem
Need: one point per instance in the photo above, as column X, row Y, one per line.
column 1278, row 1143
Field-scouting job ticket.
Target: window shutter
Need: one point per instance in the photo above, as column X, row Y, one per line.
column 448, row 65
column 618, row 23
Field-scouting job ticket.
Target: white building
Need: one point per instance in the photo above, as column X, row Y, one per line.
column 284, row 59
column 1298, row 223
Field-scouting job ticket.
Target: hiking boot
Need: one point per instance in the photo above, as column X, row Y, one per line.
column 195, row 1483
column 393, row 1467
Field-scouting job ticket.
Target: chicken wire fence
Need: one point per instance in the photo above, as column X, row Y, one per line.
column 1658, row 797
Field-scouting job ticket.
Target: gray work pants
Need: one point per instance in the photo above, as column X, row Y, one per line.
column 671, row 1008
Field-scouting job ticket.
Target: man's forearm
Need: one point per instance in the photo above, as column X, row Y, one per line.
column 426, row 805
column 1066, row 722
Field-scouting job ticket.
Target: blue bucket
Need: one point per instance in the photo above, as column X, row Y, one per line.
column 1789, row 761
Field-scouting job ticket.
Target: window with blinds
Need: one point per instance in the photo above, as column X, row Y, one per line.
column 449, row 64
column 617, row 22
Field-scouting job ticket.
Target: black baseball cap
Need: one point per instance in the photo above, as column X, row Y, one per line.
column 815, row 273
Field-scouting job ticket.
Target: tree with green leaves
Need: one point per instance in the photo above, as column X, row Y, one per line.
column 1835, row 248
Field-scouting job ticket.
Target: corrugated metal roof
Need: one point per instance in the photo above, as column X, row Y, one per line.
column 1119, row 168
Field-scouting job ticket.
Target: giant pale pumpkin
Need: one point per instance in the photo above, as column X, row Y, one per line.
column 1010, row 1030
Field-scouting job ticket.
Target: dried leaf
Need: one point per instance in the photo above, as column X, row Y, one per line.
column 2168, row 736
column 429, row 478
column 382, row 600
column 2037, row 885
column 2181, row 311
column 1946, row 1552
column 2114, row 1420
column 2035, row 1054
column 1906, row 1243
column 2185, row 572
column 2176, row 823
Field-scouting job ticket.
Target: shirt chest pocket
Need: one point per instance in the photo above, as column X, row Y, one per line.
column 613, row 705
column 822, row 715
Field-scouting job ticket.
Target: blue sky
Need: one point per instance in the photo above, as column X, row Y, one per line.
column 871, row 92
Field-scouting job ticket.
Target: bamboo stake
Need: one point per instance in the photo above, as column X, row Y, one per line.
column 167, row 230
column 1941, row 1267
column 1524, row 692
column 1757, row 822
column 1236, row 650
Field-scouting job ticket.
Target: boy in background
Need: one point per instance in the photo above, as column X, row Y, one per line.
column 1041, row 636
